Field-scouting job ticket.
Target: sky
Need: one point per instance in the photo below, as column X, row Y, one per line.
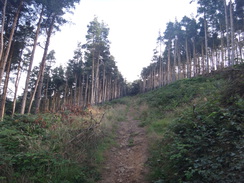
column 134, row 27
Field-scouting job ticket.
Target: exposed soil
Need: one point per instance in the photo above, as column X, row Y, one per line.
column 126, row 161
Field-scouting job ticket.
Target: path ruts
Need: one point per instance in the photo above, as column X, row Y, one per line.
column 125, row 163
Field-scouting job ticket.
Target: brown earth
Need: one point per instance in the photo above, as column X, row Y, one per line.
column 125, row 162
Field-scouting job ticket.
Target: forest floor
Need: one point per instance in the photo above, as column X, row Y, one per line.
column 125, row 162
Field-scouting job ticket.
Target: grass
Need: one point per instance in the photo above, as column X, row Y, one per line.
column 197, row 128
column 62, row 147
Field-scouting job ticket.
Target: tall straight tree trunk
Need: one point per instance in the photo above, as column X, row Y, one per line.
column 206, row 43
column 6, row 55
column 42, row 66
column 174, row 64
column 5, row 88
column 2, row 29
column 40, row 84
column 168, row 64
column 16, row 86
column 92, row 101
column 160, row 63
column 66, row 93
column 227, row 33
column 179, row 63
column 82, row 89
column 194, row 58
column 39, row 89
column 188, row 63
column 203, row 61
column 86, row 92
column 240, row 47
column 46, row 108
column 97, row 80
column 75, row 101
column 232, row 34
column 103, row 90
column 222, row 64
column 22, row 111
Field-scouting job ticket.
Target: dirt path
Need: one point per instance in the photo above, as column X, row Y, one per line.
column 126, row 162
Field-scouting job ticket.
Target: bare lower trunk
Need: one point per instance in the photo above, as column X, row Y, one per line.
column 16, row 85
column 4, row 95
column 42, row 66
column 227, row 33
column 168, row 64
column 232, row 35
column 22, row 111
column 206, row 44
column 2, row 29
column 6, row 55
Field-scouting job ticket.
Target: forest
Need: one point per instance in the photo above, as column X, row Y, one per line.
column 91, row 76
column 190, row 96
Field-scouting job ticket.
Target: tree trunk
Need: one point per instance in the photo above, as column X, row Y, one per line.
column 39, row 89
column 168, row 70
column 179, row 63
column 2, row 29
column 75, row 101
column 232, row 34
column 6, row 55
column 97, row 81
column 188, row 62
column 42, row 66
column 227, row 33
column 86, row 92
column 203, row 61
column 46, row 108
column 66, row 93
column 16, row 85
column 240, row 47
column 206, row 44
column 103, row 90
column 4, row 94
column 222, row 64
column 194, row 59
column 22, row 111
column 174, row 64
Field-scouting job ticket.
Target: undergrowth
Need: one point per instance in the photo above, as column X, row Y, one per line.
column 62, row 147
column 199, row 127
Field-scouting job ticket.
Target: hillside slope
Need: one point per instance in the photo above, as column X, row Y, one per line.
column 194, row 135
column 198, row 124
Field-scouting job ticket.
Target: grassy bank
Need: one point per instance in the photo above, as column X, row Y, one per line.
column 198, row 127
column 62, row 147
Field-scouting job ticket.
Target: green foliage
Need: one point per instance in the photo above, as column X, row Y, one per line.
column 207, row 147
column 201, row 138
column 45, row 148
column 179, row 93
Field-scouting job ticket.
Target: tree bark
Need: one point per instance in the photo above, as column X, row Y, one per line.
column 232, row 35
column 92, row 101
column 5, row 88
column 42, row 66
column 97, row 80
column 86, row 92
column 174, row 64
column 22, row 111
column 104, row 91
column 2, row 29
column 168, row 64
column 206, row 44
column 227, row 33
column 188, row 62
column 6, row 55
column 16, row 85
